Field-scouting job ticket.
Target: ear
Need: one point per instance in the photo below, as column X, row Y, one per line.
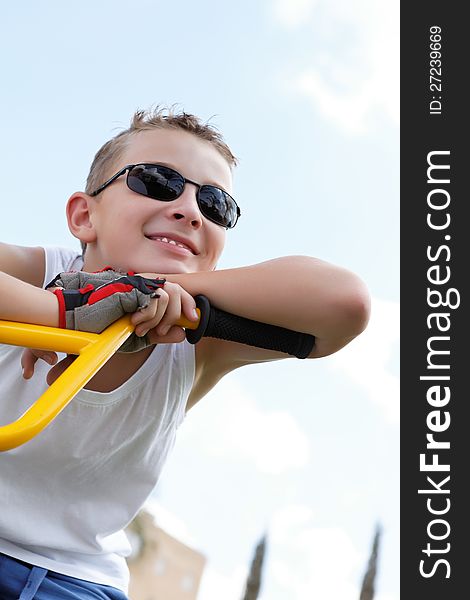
column 78, row 211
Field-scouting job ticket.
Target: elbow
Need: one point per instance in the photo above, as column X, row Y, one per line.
column 348, row 319
column 356, row 308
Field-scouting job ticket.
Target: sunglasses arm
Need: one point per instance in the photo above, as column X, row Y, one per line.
column 113, row 178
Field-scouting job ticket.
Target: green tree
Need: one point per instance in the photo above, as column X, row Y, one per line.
column 368, row 583
column 253, row 583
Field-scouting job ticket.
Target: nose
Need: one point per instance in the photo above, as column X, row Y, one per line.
column 186, row 208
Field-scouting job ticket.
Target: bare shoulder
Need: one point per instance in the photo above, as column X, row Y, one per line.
column 25, row 263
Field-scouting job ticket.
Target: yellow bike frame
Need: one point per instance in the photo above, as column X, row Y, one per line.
column 93, row 351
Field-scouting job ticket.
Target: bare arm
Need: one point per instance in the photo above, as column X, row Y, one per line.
column 27, row 264
column 21, row 301
column 297, row 292
column 21, row 298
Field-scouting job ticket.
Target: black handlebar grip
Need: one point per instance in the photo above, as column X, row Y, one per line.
column 225, row 326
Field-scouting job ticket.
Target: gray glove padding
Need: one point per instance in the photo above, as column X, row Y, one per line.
column 76, row 280
column 92, row 301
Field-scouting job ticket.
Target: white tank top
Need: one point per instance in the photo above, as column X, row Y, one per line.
column 66, row 495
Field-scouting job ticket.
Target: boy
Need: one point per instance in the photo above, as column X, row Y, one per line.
column 68, row 493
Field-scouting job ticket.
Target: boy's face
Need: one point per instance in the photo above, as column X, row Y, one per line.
column 129, row 227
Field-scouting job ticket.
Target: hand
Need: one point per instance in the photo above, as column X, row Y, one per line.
column 96, row 305
column 159, row 317
column 157, row 320
column 31, row 355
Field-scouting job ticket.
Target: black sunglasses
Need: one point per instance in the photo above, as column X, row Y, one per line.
column 165, row 184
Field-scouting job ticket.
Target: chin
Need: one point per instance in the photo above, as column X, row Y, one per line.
column 165, row 266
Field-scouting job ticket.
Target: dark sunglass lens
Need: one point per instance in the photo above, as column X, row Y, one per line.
column 157, row 182
column 217, row 206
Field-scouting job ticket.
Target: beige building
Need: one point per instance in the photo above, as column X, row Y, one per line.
column 162, row 567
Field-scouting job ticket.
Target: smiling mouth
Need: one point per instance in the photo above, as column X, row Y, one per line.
column 170, row 242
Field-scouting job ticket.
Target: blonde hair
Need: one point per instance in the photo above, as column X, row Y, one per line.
column 160, row 117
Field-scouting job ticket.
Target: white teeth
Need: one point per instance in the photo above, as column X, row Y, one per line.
column 172, row 242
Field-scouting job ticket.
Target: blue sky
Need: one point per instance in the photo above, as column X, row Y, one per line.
column 306, row 93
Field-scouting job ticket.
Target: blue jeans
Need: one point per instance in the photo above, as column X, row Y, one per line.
column 21, row 581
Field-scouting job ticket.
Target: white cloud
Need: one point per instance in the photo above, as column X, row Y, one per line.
column 310, row 561
column 366, row 360
column 215, row 585
column 293, row 13
column 287, row 519
column 271, row 440
column 356, row 74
